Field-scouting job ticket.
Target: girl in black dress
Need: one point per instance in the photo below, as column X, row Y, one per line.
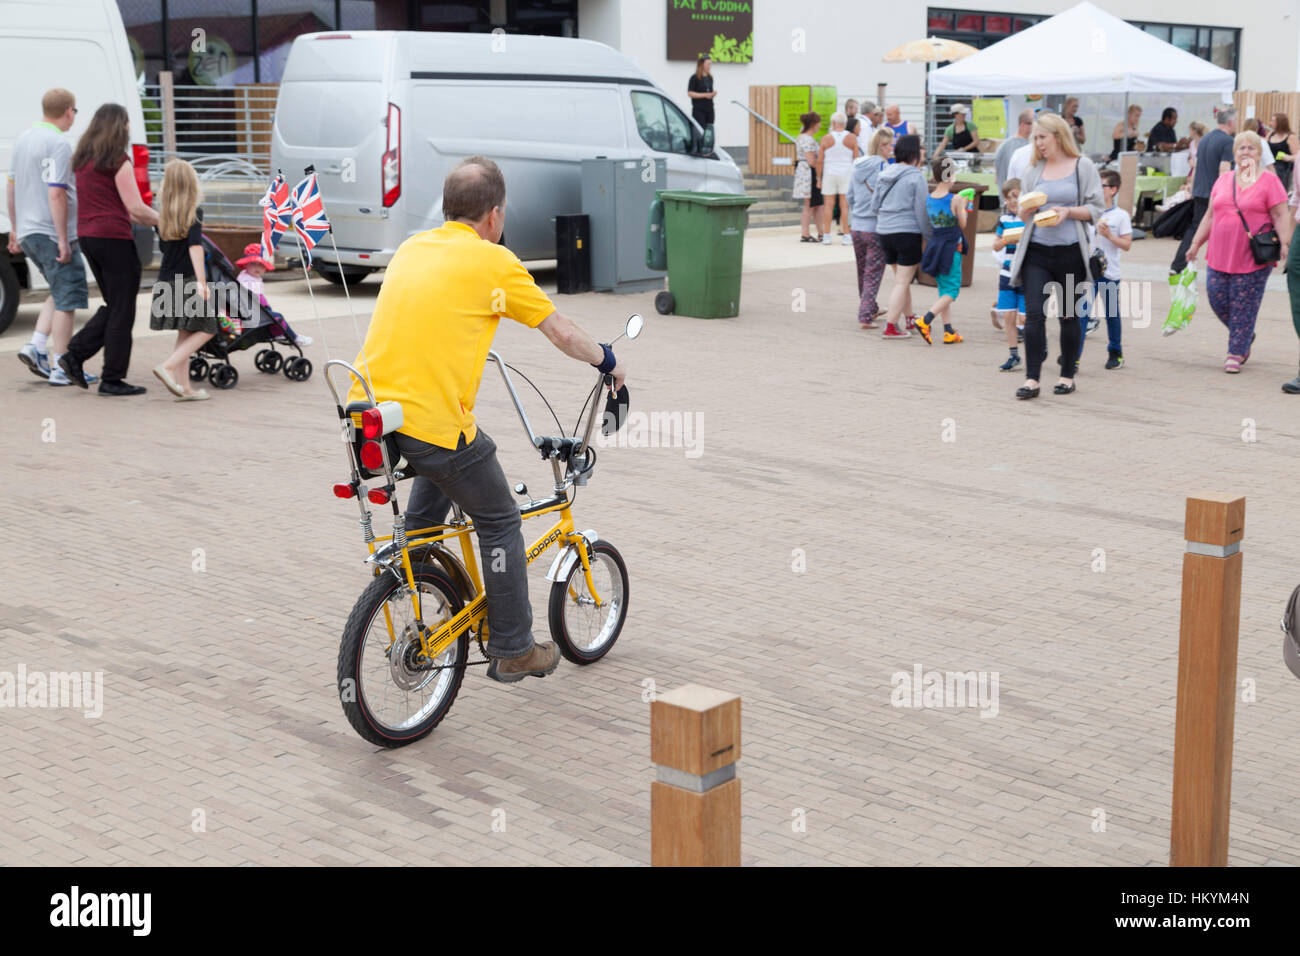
column 180, row 296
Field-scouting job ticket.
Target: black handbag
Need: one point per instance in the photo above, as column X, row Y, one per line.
column 1097, row 261
column 1265, row 245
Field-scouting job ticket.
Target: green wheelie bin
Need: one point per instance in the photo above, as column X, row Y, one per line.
column 704, row 235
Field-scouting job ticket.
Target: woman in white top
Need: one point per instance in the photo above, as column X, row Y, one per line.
column 839, row 147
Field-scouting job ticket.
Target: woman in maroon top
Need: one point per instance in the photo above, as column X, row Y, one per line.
column 108, row 201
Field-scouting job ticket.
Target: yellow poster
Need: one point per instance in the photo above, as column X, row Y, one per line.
column 990, row 118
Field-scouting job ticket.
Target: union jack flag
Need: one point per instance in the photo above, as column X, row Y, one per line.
column 308, row 217
column 277, row 215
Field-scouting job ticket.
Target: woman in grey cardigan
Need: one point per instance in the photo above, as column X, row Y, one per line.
column 902, row 225
column 1053, row 260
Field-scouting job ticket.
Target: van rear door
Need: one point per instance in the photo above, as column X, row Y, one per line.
column 332, row 114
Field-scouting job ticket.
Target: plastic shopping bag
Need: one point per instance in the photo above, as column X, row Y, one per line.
column 1182, row 300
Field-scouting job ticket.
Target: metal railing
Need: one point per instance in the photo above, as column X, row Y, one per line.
column 224, row 132
column 766, row 122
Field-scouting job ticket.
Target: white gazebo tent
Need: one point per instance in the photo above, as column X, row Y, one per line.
column 1083, row 50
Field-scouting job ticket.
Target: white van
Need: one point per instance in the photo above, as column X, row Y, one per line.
column 384, row 115
column 80, row 45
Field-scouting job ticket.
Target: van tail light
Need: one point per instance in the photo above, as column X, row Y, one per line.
column 344, row 490
column 392, row 163
column 140, row 162
column 378, row 496
column 372, row 456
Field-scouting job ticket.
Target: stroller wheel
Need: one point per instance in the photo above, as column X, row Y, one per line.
column 291, row 368
column 302, row 370
column 224, row 376
column 262, row 360
column 198, row 368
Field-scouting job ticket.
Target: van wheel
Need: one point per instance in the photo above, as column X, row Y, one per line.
column 8, row 291
column 665, row 303
column 336, row 276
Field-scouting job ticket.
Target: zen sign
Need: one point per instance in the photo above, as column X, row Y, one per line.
column 722, row 30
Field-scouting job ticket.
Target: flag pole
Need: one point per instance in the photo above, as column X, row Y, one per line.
column 356, row 330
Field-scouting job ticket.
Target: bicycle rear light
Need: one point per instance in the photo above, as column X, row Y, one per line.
column 344, row 490
column 372, row 455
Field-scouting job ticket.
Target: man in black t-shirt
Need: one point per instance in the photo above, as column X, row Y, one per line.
column 1162, row 138
column 1213, row 156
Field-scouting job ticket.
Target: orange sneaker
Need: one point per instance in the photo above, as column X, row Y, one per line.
column 924, row 328
column 951, row 338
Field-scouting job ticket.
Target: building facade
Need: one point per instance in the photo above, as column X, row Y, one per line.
column 833, row 42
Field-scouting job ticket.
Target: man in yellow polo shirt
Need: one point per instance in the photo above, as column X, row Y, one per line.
column 443, row 294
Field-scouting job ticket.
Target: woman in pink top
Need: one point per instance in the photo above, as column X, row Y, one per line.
column 1235, row 282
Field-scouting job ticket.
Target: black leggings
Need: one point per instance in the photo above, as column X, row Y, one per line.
column 116, row 266
column 1059, row 271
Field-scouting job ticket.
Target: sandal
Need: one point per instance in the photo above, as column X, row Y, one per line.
column 808, row 239
column 1232, row 365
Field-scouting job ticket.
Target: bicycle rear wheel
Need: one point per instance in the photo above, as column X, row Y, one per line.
column 390, row 695
column 583, row 631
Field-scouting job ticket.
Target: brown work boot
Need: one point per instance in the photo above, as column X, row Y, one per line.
column 538, row 662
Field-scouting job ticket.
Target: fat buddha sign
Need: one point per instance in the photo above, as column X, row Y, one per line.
column 722, row 30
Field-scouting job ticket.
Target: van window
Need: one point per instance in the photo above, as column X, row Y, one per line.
column 326, row 114
column 661, row 124
column 585, row 115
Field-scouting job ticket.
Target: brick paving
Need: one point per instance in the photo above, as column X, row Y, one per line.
column 974, row 554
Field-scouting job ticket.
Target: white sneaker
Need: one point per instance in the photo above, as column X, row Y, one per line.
column 826, row 239
column 846, row 239
column 60, row 377
column 302, row 341
column 37, row 362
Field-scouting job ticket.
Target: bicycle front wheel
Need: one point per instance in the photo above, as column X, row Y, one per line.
column 391, row 695
column 584, row 631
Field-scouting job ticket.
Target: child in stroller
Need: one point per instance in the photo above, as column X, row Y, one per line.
column 246, row 319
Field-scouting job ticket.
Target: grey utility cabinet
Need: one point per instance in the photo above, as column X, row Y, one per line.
column 616, row 196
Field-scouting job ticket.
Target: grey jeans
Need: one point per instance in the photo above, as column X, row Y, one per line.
column 472, row 477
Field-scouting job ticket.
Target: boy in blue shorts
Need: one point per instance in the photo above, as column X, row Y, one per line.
column 1011, row 301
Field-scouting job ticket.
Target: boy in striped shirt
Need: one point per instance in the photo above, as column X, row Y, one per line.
column 1010, row 310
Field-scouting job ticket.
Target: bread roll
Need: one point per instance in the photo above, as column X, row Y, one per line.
column 1047, row 218
column 1031, row 201
column 1013, row 235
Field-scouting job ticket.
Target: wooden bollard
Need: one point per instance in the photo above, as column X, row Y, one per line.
column 695, row 802
column 1207, row 681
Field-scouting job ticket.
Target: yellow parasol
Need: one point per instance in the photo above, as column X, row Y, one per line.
column 929, row 50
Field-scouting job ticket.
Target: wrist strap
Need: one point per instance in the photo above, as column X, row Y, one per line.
column 608, row 362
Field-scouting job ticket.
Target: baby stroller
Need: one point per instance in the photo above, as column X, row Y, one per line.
column 244, row 322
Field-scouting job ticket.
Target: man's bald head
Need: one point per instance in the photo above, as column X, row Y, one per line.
column 472, row 189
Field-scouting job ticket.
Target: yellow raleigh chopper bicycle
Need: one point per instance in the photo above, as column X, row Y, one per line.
column 405, row 646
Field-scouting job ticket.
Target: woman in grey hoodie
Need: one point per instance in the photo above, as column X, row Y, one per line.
column 902, row 225
column 1053, row 260
column 863, row 181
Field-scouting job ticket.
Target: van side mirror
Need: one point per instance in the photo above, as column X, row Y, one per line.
column 706, row 141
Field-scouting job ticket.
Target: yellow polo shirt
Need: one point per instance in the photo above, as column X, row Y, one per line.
column 444, row 292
